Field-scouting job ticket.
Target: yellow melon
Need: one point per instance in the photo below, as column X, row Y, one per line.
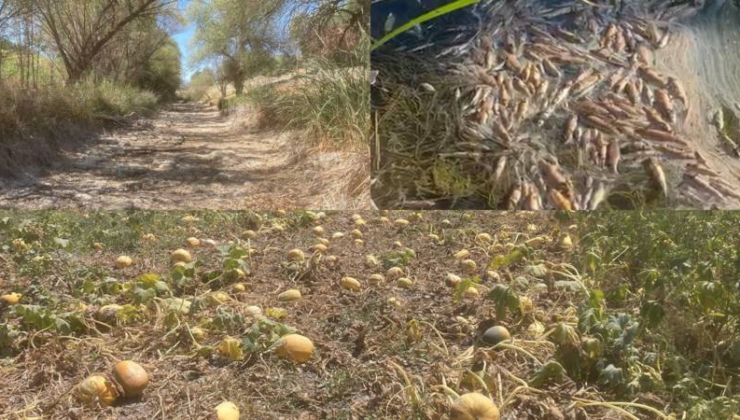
column 295, row 347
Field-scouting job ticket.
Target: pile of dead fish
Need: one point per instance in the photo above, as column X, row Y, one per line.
column 576, row 82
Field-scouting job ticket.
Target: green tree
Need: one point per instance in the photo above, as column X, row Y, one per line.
column 239, row 34
column 200, row 82
column 82, row 29
column 161, row 73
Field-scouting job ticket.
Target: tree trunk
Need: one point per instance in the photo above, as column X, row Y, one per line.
column 239, row 86
column 74, row 75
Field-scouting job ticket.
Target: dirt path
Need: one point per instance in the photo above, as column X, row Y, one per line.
column 188, row 156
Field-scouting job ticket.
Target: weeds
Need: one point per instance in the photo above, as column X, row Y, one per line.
column 330, row 102
column 637, row 319
column 35, row 123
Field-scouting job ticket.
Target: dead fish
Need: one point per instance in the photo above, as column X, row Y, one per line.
column 521, row 86
column 514, row 198
column 543, row 47
column 722, row 187
column 568, row 36
column 508, row 83
column 500, row 131
column 620, row 86
column 531, row 55
column 627, row 129
column 532, row 202
column 491, row 61
column 663, row 42
column 535, row 77
column 643, row 55
column 673, row 152
column 615, row 78
column 521, row 109
column 653, row 32
column 620, row 42
column 613, row 155
column 639, row 85
column 570, row 127
column 700, row 184
column 428, row 87
column 552, row 175
column 664, row 105
column 485, row 41
column 698, row 169
column 583, row 75
column 505, row 121
column 653, row 77
column 526, row 72
column 698, row 156
column 513, row 63
column 487, row 79
column 607, row 56
column 592, row 153
column 559, row 97
column 569, row 59
column 587, row 136
column 656, row 174
column 590, row 107
column 478, row 56
column 656, row 120
column 620, row 101
column 504, row 96
column 558, row 200
column 630, row 38
column 500, row 167
column 600, row 124
column 485, row 110
column 541, row 92
column 636, row 146
column 615, row 111
column 598, row 196
column 577, row 137
column 541, row 33
column 611, row 30
column 586, row 85
column 510, row 43
column 719, row 119
column 658, row 135
column 677, row 90
column 632, row 93
column 731, row 144
column 602, row 148
column 550, row 68
column 647, row 95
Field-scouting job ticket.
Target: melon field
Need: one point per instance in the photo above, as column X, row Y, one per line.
column 374, row 315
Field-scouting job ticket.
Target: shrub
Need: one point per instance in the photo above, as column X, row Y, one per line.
column 331, row 102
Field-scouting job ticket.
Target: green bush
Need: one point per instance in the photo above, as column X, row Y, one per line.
column 109, row 98
column 681, row 269
column 36, row 110
column 331, row 101
column 35, row 123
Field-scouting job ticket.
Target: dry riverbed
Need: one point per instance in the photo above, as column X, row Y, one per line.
column 188, row 156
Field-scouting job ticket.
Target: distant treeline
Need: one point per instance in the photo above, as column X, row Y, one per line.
column 66, row 41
